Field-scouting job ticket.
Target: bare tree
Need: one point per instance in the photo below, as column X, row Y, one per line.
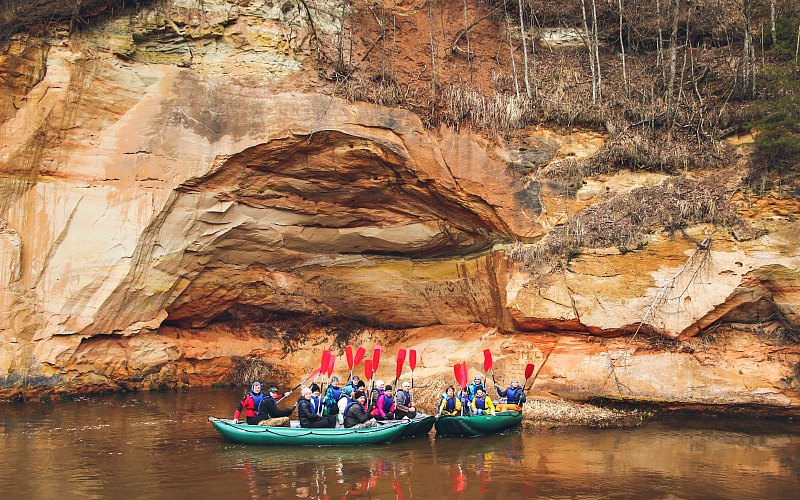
column 622, row 49
column 524, row 50
column 589, row 40
column 433, row 59
column 773, row 21
column 511, row 53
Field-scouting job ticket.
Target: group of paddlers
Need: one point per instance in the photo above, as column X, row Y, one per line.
column 354, row 406
column 348, row 406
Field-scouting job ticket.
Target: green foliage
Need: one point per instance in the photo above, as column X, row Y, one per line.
column 776, row 157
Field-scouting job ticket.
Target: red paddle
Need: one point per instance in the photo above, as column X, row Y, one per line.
column 401, row 358
column 464, row 374
column 528, row 372
column 487, row 364
column 368, row 370
column 331, row 362
column 412, row 361
column 376, row 358
column 349, row 354
column 359, row 356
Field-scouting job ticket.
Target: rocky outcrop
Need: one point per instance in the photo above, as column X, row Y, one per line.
column 179, row 199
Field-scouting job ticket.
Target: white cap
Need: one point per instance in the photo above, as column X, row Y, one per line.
column 406, row 384
column 379, row 382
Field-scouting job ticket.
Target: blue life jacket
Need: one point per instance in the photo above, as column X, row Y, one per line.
column 257, row 398
column 450, row 404
column 388, row 401
column 480, row 403
column 350, row 403
column 336, row 393
column 473, row 389
column 314, row 404
column 407, row 398
column 514, row 395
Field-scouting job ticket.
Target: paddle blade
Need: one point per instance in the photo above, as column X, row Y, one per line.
column 457, row 372
column 412, row 359
column 464, row 374
column 326, row 360
column 529, row 371
column 331, row 362
column 376, row 358
column 487, row 360
column 401, row 358
column 368, row 369
column 349, row 353
column 359, row 356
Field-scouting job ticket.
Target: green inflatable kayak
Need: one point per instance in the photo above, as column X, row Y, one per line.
column 477, row 425
column 298, row 436
column 420, row 425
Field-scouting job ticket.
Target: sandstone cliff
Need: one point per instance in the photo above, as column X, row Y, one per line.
column 185, row 200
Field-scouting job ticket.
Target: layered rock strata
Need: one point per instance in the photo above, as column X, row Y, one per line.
column 173, row 194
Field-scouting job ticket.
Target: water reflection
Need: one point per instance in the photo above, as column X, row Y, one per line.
column 160, row 446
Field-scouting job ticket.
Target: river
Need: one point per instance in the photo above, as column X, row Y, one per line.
column 159, row 445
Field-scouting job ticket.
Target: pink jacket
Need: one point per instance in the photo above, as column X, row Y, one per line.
column 379, row 406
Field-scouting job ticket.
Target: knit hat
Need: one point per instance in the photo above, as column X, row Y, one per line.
column 359, row 394
column 256, row 383
column 335, row 379
column 361, row 384
column 315, row 387
column 348, row 389
column 387, row 388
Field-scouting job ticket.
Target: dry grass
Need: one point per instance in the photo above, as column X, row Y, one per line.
column 626, row 221
column 547, row 413
column 500, row 113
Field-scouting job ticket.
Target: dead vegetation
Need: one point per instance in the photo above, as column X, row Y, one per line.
column 548, row 413
column 627, row 221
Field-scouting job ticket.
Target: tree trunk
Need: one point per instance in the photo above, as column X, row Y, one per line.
column 524, row 51
column 433, row 60
column 622, row 50
column 511, row 53
column 773, row 21
column 673, row 53
column 597, row 51
column 589, row 47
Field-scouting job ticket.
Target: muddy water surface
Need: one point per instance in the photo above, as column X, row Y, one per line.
column 152, row 445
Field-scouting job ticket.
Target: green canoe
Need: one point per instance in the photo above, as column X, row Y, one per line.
column 298, row 436
column 477, row 425
column 420, row 425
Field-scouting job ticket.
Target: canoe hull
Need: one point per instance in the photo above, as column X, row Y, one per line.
column 293, row 436
column 418, row 427
column 477, row 425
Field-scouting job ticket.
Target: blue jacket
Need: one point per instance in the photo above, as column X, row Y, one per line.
column 515, row 396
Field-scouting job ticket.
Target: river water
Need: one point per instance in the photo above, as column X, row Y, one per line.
column 159, row 445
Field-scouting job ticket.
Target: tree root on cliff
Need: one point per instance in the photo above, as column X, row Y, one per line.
column 696, row 262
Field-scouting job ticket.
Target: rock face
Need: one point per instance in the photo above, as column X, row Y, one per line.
column 171, row 185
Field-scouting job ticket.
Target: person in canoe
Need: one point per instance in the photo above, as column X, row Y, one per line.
column 316, row 402
column 515, row 396
column 476, row 384
column 404, row 402
column 380, row 386
column 250, row 404
column 451, row 405
column 385, row 406
column 353, row 382
column 482, row 404
column 347, row 394
column 465, row 400
column 355, row 413
column 268, row 412
column 332, row 395
column 307, row 416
